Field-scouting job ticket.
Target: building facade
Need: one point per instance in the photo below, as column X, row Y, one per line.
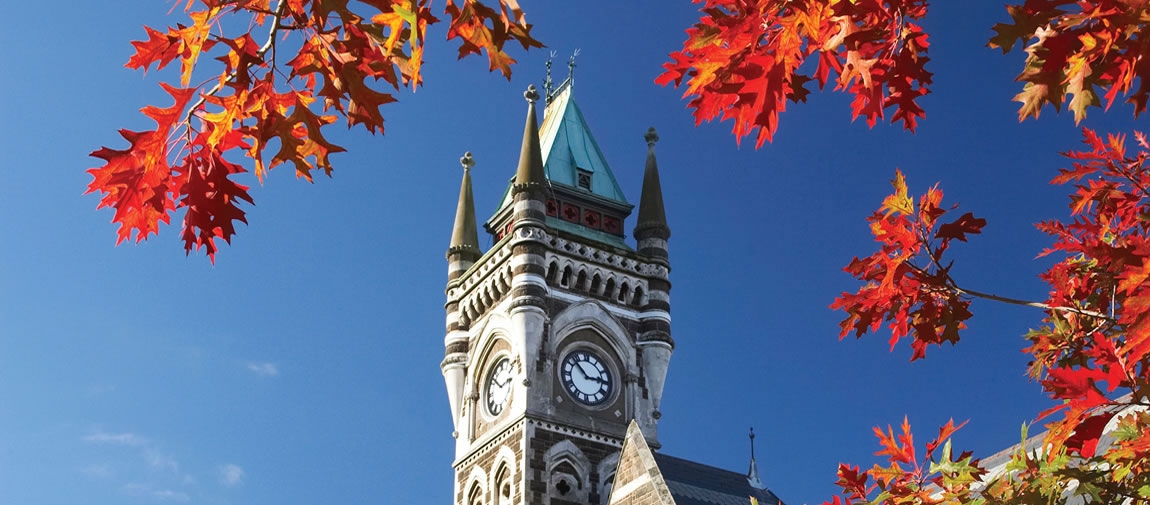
column 558, row 338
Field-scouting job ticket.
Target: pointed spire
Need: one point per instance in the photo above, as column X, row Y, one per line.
column 753, row 472
column 652, row 217
column 530, row 171
column 464, row 237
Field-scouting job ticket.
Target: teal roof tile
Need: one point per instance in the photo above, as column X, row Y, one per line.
column 568, row 147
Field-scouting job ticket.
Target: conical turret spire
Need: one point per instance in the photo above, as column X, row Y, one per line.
column 464, row 237
column 530, row 171
column 652, row 218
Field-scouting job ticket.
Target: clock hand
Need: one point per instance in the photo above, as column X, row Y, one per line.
column 580, row 365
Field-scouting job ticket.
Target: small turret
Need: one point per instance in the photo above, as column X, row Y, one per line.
column 651, row 234
column 651, row 230
column 461, row 254
column 530, row 174
column 464, row 248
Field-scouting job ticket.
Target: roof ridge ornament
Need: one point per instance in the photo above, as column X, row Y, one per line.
column 548, row 85
column 571, row 68
column 753, row 472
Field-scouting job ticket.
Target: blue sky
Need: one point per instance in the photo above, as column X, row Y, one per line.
column 303, row 367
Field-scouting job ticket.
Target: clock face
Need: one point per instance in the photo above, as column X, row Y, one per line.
column 586, row 377
column 499, row 386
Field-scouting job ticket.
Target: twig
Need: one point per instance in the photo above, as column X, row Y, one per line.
column 268, row 44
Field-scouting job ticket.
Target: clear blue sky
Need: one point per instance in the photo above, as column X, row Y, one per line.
column 303, row 367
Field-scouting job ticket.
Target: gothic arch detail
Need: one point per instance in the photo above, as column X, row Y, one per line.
column 476, row 487
column 503, row 477
column 591, row 314
column 568, row 472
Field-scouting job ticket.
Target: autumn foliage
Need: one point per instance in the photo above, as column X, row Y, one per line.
column 743, row 61
column 318, row 62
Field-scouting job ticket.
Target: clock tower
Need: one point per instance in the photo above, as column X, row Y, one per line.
column 558, row 336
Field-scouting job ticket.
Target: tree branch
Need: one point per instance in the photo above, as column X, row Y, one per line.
column 268, row 44
column 1026, row 303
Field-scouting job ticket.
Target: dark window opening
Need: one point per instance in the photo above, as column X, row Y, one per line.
column 583, row 179
column 563, row 487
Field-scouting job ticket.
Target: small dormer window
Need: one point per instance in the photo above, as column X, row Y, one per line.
column 583, row 179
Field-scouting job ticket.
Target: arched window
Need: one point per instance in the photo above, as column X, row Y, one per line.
column 638, row 296
column 552, row 272
column 566, row 280
column 596, row 282
column 503, row 486
column 609, row 289
column 581, row 281
column 475, row 496
column 624, row 292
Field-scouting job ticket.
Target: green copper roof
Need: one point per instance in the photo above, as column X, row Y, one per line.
column 568, row 147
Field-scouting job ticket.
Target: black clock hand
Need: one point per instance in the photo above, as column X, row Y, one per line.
column 582, row 371
column 588, row 377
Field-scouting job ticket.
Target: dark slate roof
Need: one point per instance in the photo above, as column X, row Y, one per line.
column 694, row 483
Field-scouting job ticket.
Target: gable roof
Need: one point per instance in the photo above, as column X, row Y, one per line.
column 694, row 483
column 645, row 477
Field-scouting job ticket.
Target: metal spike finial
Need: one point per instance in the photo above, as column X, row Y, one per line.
column 548, row 85
column 531, row 94
column 752, row 436
column 467, row 161
column 571, row 67
column 651, row 137
column 753, row 471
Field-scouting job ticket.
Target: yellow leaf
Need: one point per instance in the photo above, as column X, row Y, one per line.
column 900, row 202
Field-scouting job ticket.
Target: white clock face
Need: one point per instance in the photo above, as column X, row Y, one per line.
column 586, row 377
column 499, row 387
